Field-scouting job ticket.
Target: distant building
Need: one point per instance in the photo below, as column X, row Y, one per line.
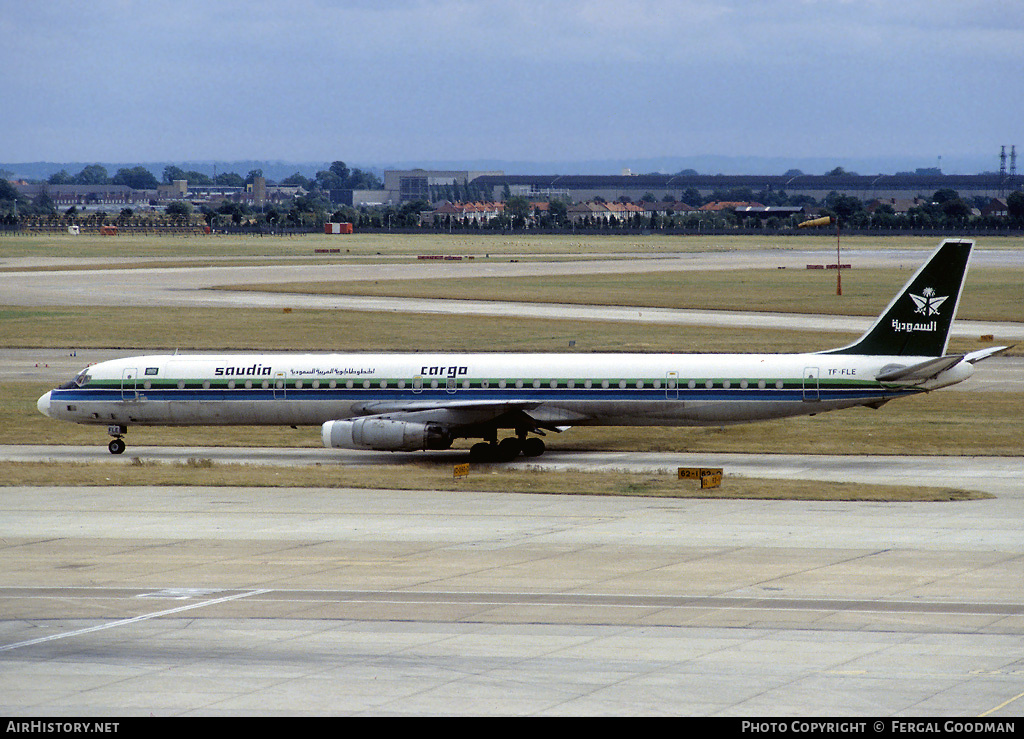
column 718, row 205
column 88, row 197
column 402, row 186
column 582, row 188
column 996, row 207
column 463, row 213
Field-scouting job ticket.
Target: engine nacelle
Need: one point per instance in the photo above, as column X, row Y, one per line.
column 385, row 435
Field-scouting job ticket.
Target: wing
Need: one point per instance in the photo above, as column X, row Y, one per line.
column 459, row 414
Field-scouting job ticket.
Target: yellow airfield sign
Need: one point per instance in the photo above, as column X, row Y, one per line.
column 710, row 477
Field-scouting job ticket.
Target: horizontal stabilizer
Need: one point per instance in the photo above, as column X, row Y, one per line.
column 985, row 353
column 919, row 372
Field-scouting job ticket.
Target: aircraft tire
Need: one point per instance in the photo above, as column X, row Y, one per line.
column 533, row 447
column 509, row 449
column 116, row 446
column 482, row 452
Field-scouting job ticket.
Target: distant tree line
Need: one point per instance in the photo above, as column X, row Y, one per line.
column 337, row 177
column 944, row 209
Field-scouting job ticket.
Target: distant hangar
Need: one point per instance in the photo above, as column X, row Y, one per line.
column 865, row 187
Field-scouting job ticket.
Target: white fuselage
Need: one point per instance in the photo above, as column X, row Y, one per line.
column 562, row 389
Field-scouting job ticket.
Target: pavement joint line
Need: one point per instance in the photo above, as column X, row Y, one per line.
column 128, row 621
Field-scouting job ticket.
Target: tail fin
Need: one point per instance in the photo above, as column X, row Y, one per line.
column 917, row 322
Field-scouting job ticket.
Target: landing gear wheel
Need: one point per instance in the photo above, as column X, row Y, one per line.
column 482, row 452
column 533, row 447
column 116, row 446
column 509, row 449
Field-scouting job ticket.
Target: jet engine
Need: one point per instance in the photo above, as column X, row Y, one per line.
column 384, row 434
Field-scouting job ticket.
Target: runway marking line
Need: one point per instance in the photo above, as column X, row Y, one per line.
column 128, row 621
column 1004, row 704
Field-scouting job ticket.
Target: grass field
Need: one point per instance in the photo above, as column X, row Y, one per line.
column 211, row 329
column 990, row 294
column 437, row 476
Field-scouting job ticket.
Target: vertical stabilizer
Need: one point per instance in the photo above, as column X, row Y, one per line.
column 917, row 322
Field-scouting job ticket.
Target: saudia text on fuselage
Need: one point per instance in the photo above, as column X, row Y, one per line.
column 256, row 370
column 902, row 327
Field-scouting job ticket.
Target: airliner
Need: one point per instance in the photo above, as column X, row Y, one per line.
column 416, row 401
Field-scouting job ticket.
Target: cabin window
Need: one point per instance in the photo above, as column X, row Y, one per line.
column 726, row 384
column 248, row 384
column 779, row 384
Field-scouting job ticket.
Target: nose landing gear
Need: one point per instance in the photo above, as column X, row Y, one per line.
column 117, row 445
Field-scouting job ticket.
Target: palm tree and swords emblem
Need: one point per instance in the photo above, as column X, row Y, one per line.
column 927, row 302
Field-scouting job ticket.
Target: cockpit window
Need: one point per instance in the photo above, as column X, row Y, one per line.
column 81, row 380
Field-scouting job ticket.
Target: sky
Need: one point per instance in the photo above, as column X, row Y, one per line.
column 388, row 81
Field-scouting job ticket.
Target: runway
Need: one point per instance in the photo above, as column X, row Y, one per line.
column 207, row 601
column 223, row 601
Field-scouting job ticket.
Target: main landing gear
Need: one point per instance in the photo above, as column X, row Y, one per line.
column 506, row 450
column 117, row 445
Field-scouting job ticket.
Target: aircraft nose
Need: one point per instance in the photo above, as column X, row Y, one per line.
column 43, row 404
